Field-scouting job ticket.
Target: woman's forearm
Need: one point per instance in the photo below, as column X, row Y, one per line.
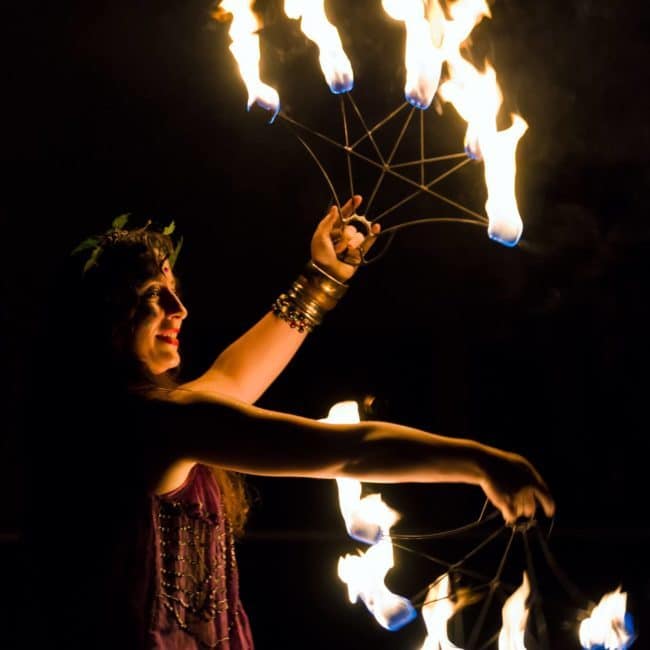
column 389, row 452
column 250, row 365
column 258, row 441
column 247, row 367
column 237, row 436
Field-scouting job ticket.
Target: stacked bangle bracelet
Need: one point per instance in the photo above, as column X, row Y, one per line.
column 311, row 296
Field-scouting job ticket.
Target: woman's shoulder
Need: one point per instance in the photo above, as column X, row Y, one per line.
column 193, row 393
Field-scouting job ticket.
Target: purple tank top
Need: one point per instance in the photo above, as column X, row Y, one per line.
column 196, row 587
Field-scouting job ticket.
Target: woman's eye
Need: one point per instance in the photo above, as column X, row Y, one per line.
column 152, row 292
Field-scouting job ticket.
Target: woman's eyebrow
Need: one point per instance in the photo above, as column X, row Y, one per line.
column 158, row 279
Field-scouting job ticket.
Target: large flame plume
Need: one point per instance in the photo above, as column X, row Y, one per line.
column 368, row 520
column 608, row 627
column 436, row 612
column 245, row 47
column 364, row 575
column 477, row 98
column 431, row 40
column 333, row 60
column 422, row 59
column 515, row 617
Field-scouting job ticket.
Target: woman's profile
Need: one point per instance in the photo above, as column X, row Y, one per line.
column 135, row 491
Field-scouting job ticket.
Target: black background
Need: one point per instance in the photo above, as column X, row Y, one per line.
column 114, row 107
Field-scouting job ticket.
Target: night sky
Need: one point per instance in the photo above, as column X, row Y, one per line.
column 114, row 107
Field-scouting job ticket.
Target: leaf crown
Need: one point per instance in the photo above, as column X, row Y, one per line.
column 117, row 231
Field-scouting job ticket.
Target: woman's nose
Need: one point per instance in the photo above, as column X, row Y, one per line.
column 174, row 306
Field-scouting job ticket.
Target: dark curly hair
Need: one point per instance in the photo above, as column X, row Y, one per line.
column 94, row 315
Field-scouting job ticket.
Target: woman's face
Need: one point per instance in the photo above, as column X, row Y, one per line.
column 158, row 322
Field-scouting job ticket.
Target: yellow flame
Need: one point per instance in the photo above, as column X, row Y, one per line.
column 474, row 94
column 364, row 575
column 343, row 413
column 436, row 612
column 245, row 47
column 430, row 40
column 515, row 617
column 365, row 572
column 465, row 15
column 333, row 61
column 500, row 165
column 477, row 98
column 422, row 59
column 368, row 519
column 606, row 624
column 436, row 17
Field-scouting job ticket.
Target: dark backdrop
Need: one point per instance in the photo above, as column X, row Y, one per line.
column 115, row 107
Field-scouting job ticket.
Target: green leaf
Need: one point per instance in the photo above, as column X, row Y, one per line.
column 174, row 255
column 85, row 245
column 92, row 260
column 168, row 230
column 120, row 222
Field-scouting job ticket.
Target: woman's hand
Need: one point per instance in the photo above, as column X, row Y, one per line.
column 515, row 487
column 338, row 248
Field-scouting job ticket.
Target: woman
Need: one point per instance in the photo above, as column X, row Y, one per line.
column 135, row 492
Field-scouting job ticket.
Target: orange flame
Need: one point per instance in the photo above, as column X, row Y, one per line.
column 515, row 618
column 477, row 98
column 431, row 40
column 499, row 159
column 334, row 62
column 369, row 520
column 422, row 59
column 245, row 47
column 606, row 626
column 436, row 612
column 364, row 575
column 465, row 15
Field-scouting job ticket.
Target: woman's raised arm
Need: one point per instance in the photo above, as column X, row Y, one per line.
column 247, row 367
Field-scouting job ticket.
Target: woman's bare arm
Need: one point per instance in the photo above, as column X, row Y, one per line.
column 247, row 367
column 207, row 428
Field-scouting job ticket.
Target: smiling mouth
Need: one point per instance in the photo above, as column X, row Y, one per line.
column 169, row 338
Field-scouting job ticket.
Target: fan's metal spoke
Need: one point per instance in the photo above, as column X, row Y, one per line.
column 540, row 620
column 455, row 168
column 347, row 145
column 318, row 134
column 488, row 601
column 375, row 189
column 400, row 137
column 446, row 533
column 412, row 163
column 470, row 573
column 390, row 158
column 421, row 147
column 363, row 122
column 421, row 188
column 386, row 169
column 379, row 124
